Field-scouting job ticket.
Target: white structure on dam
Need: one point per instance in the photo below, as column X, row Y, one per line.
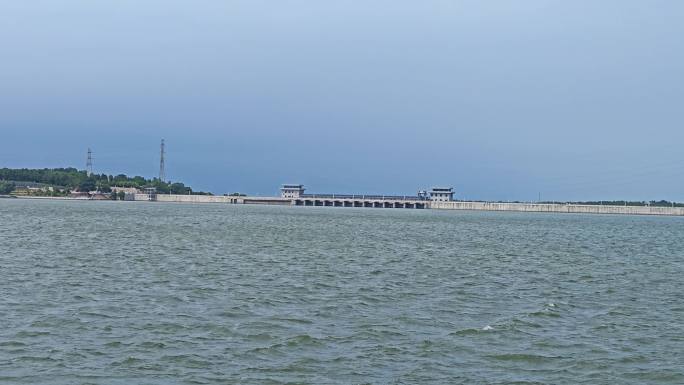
column 442, row 194
column 292, row 190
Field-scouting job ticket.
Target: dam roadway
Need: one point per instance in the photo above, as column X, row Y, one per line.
column 388, row 202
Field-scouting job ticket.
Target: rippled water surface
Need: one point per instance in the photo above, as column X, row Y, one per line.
column 145, row 293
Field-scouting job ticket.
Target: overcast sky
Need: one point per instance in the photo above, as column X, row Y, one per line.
column 503, row 100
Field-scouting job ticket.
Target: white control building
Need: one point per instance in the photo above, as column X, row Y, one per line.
column 442, row 194
column 292, row 190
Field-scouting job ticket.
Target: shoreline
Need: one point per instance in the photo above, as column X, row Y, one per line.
column 53, row 198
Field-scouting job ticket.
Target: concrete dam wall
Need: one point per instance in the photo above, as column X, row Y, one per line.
column 212, row 199
column 559, row 208
column 389, row 203
column 183, row 198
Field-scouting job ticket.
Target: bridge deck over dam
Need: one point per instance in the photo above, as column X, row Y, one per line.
column 372, row 201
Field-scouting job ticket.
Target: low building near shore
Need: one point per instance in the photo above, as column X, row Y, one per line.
column 79, row 194
column 125, row 190
column 100, row 196
column 93, row 195
column 22, row 188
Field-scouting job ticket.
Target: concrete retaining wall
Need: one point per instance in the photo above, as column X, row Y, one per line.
column 190, row 198
column 193, row 198
column 267, row 201
column 558, row 208
column 214, row 199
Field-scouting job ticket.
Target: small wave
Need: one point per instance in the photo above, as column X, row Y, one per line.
column 41, row 324
column 259, row 337
column 634, row 359
column 267, row 350
column 303, row 339
column 26, row 333
column 293, row 320
column 150, row 344
column 12, row 343
column 466, row 332
column 472, row 331
column 522, row 357
column 96, row 314
column 116, row 344
column 229, row 314
column 664, row 376
column 35, row 359
column 188, row 361
column 617, row 313
column 545, row 313
column 549, row 310
column 375, row 333
column 128, row 361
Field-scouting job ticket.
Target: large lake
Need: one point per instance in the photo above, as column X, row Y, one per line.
column 145, row 293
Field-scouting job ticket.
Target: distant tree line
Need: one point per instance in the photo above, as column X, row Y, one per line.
column 73, row 179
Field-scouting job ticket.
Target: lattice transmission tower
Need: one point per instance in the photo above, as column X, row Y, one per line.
column 89, row 163
column 162, row 172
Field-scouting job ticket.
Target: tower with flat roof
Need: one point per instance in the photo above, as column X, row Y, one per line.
column 292, row 190
column 442, row 194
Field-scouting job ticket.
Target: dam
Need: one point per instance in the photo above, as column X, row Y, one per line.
column 420, row 201
column 439, row 198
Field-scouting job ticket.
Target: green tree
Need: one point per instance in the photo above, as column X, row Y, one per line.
column 6, row 187
column 103, row 186
column 71, row 178
column 87, row 185
column 179, row 188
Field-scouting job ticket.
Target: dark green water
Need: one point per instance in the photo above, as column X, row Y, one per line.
column 138, row 293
